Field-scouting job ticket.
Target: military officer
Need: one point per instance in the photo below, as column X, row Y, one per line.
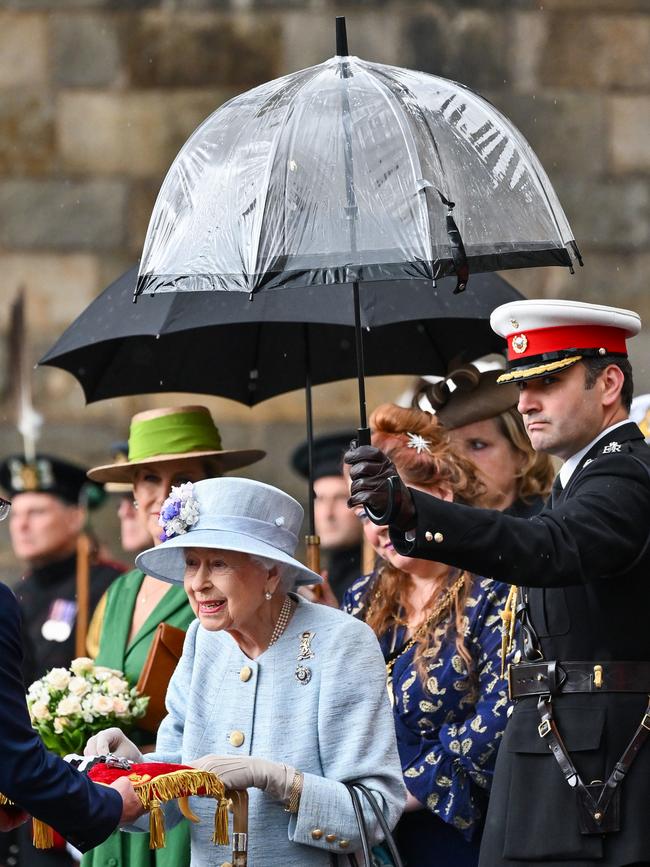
column 337, row 527
column 572, row 781
column 47, row 517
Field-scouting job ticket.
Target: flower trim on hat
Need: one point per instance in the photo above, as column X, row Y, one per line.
column 526, row 372
column 417, row 442
column 179, row 512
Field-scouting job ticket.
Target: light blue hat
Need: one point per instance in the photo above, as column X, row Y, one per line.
column 232, row 515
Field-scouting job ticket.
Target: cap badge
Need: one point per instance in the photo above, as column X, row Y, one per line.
column 514, row 323
column 519, row 343
column 31, row 477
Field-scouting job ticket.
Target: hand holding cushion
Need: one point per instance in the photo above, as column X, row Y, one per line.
column 246, row 772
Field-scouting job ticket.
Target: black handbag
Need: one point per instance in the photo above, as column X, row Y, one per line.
column 354, row 789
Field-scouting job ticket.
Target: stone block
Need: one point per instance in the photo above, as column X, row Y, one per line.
column 85, row 49
column 529, row 34
column 27, row 141
column 79, row 215
column 179, row 49
column 596, row 51
column 471, row 46
column 23, row 49
column 607, row 213
column 58, row 286
column 373, row 34
column 628, row 133
column 142, row 198
column 137, row 133
column 107, row 132
column 567, row 131
column 606, row 278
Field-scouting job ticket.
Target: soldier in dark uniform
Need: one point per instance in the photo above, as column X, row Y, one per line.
column 47, row 516
column 339, row 529
column 572, row 781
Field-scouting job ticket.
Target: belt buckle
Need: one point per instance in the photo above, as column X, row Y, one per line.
column 509, row 680
column 544, row 728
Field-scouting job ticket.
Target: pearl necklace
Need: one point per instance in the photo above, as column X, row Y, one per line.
column 283, row 620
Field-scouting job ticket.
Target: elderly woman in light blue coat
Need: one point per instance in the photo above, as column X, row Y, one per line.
column 273, row 693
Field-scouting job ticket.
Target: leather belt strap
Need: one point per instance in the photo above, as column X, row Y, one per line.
column 554, row 678
column 597, row 806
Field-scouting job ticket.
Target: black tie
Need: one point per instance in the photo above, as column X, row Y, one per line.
column 556, row 490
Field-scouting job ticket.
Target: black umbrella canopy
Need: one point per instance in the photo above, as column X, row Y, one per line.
column 222, row 344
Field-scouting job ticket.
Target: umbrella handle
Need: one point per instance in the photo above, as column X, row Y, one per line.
column 313, row 561
column 239, row 828
column 363, row 436
column 392, row 507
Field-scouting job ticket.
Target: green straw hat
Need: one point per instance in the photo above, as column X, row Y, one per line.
column 172, row 434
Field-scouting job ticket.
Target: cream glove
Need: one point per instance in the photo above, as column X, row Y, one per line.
column 113, row 741
column 246, row 772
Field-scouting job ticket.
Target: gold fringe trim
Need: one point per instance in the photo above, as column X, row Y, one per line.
column 527, row 372
column 220, row 836
column 43, row 835
column 179, row 785
column 157, row 837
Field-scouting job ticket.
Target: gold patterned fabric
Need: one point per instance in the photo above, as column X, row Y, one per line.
column 447, row 734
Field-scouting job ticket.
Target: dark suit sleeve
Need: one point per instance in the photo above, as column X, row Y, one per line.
column 33, row 778
column 601, row 530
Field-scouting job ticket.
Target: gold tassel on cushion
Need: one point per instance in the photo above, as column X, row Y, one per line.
column 156, row 826
column 220, row 836
column 42, row 835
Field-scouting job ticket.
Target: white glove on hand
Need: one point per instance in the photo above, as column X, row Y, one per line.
column 246, row 772
column 112, row 741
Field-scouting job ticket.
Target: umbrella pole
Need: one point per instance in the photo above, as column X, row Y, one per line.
column 363, row 433
column 312, row 540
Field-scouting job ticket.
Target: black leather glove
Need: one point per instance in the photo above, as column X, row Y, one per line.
column 378, row 488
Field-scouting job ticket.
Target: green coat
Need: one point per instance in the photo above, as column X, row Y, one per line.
column 125, row 849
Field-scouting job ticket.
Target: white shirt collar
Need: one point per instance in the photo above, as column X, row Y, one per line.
column 571, row 464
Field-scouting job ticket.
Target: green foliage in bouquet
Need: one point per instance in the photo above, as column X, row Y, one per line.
column 68, row 706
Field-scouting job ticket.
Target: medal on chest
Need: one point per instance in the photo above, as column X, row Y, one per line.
column 60, row 620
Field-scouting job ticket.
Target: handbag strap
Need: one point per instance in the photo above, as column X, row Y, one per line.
column 388, row 837
column 361, row 822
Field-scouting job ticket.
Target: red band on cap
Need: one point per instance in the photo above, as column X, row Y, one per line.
column 565, row 337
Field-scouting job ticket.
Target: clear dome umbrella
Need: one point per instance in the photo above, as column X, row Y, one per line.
column 351, row 172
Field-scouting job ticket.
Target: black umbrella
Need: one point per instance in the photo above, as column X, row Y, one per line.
column 221, row 344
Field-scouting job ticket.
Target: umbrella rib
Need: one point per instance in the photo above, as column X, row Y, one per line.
column 269, row 169
column 383, row 88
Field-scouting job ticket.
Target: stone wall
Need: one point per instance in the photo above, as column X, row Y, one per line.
column 97, row 96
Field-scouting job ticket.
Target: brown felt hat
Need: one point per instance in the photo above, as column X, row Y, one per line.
column 172, row 434
column 476, row 396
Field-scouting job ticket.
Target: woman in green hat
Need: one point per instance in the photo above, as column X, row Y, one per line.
column 167, row 447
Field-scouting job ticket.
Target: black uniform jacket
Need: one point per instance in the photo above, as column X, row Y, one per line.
column 30, row 776
column 586, row 566
column 50, row 592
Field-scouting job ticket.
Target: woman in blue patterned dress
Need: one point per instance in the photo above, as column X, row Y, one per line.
column 440, row 631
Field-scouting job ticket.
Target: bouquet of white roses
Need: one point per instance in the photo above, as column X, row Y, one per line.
column 68, row 706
